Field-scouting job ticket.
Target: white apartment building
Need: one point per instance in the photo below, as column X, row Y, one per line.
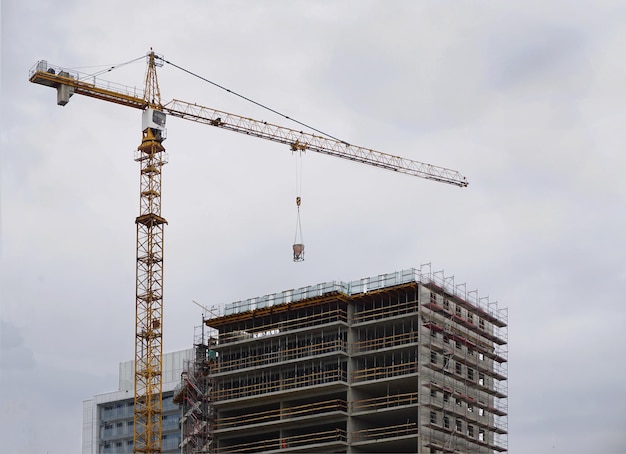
column 108, row 417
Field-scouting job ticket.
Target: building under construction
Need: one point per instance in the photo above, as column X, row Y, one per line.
column 402, row 362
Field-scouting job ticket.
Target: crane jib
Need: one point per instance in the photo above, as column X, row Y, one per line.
column 298, row 140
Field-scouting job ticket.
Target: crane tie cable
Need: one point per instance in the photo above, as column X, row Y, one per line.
column 253, row 102
column 111, row 68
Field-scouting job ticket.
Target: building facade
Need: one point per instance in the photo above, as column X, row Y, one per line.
column 108, row 418
column 402, row 362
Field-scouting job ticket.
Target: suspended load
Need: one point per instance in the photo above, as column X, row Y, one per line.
column 298, row 252
column 298, row 244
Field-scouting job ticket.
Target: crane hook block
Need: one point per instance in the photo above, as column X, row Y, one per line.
column 298, row 200
column 298, row 252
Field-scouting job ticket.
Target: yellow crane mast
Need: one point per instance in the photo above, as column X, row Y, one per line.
column 149, row 273
column 150, row 224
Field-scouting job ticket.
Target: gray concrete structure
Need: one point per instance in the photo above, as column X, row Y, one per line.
column 401, row 362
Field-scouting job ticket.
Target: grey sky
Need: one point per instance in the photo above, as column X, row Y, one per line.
column 525, row 98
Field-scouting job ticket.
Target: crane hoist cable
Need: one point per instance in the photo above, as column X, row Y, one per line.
column 298, row 241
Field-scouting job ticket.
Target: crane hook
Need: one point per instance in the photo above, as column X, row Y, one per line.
column 298, row 243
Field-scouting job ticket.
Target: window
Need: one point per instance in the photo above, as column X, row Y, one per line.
column 458, row 402
column 446, row 396
column 446, row 339
column 433, row 357
column 457, row 344
column 458, row 310
column 481, row 379
column 470, row 351
column 470, row 408
column 433, row 333
column 446, row 422
column 481, row 411
column 481, row 356
column 433, row 417
column 459, row 425
column 481, row 323
column 459, row 369
column 481, row 434
column 470, row 431
column 470, row 373
column 433, row 393
column 446, row 305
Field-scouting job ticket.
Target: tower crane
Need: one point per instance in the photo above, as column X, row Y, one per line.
column 150, row 223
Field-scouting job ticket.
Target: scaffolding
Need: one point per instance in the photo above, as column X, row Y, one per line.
column 466, row 372
column 194, row 396
column 401, row 362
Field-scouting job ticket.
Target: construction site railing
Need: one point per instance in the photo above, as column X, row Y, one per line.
column 331, row 316
column 336, row 345
column 495, row 388
column 317, row 408
column 445, row 435
column 378, row 433
column 377, row 373
column 497, row 334
column 315, row 438
column 376, row 313
column 390, row 401
column 282, row 384
column 386, row 342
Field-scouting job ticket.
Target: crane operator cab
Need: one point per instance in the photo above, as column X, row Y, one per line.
column 155, row 120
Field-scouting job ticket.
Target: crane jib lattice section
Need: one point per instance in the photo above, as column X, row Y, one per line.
column 299, row 140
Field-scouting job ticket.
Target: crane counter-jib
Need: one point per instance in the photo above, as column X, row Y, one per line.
column 69, row 82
